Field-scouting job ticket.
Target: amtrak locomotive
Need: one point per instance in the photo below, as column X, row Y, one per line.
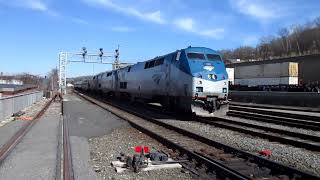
column 193, row 80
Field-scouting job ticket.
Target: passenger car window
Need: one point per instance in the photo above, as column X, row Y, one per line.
column 195, row 56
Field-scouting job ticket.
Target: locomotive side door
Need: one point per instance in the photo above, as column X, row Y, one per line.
column 168, row 74
column 115, row 80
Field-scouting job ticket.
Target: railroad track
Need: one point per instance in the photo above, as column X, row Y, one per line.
column 304, row 124
column 220, row 160
column 64, row 170
column 310, row 118
column 296, row 139
column 7, row 148
column 268, row 106
column 67, row 168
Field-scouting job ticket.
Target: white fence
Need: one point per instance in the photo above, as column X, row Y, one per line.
column 12, row 104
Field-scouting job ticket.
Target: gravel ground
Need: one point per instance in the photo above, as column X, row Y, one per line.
column 32, row 110
column 29, row 112
column 271, row 125
column 285, row 154
column 105, row 149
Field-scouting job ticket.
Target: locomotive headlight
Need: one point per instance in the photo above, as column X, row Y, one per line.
column 212, row 76
column 224, row 90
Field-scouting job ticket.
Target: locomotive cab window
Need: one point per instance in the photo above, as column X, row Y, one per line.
column 195, row 56
column 129, row 69
column 159, row 62
column 151, row 64
column 178, row 55
column 213, row 57
column 146, row 65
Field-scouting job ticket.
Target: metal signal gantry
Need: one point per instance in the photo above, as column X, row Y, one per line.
column 84, row 57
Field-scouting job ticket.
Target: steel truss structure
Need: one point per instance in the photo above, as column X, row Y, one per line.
column 66, row 58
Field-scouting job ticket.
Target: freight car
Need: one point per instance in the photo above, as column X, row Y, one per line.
column 277, row 76
column 193, row 79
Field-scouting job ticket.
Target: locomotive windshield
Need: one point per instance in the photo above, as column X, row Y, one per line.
column 202, row 56
column 213, row 57
column 196, row 56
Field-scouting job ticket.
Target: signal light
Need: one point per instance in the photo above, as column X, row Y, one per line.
column 101, row 53
column 84, row 52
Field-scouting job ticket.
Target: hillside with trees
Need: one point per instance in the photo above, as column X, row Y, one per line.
column 294, row 41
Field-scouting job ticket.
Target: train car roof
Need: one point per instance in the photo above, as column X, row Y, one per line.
column 200, row 49
column 188, row 49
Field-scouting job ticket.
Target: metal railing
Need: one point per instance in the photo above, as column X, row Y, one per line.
column 13, row 104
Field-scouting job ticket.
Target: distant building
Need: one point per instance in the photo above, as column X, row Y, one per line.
column 11, row 81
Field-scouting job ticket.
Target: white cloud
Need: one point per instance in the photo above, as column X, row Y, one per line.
column 185, row 24
column 189, row 25
column 129, row 11
column 122, row 29
column 263, row 10
column 35, row 5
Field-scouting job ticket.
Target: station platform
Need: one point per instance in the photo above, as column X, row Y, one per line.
column 35, row 157
column 86, row 119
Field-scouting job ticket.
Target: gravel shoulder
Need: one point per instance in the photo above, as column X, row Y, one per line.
column 106, row 148
column 29, row 112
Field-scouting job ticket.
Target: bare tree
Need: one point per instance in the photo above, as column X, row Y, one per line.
column 284, row 34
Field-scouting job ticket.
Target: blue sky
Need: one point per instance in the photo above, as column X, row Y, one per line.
column 33, row 32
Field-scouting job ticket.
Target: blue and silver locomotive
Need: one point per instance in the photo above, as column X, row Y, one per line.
column 193, row 80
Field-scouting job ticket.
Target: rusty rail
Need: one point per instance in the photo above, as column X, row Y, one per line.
column 67, row 158
column 17, row 137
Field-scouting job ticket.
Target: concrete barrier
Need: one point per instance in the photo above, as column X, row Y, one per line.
column 302, row 99
column 12, row 104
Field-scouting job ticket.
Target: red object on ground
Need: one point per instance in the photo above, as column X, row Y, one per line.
column 265, row 152
column 146, row 149
column 25, row 118
column 138, row 149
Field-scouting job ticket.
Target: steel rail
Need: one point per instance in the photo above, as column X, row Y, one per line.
column 7, row 148
column 268, row 106
column 313, row 143
column 310, row 125
column 276, row 113
column 67, row 157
